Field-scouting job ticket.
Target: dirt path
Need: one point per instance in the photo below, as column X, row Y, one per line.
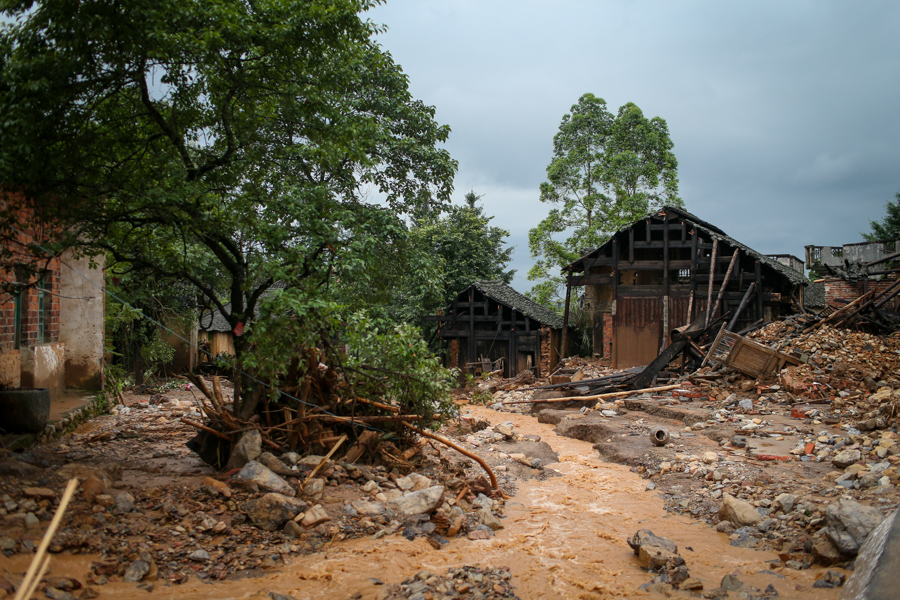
column 564, row 537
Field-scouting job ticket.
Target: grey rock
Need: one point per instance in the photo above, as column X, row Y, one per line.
column 136, row 571
column 652, row 550
column 57, row 594
column 291, row 529
column 849, row 523
column 731, row 583
column 272, row 511
column 274, row 464
column 488, row 518
column 482, row 501
column 767, row 526
column 738, row 511
column 124, row 500
column 785, row 502
column 845, row 458
column 315, row 488
column 248, row 448
column 424, row 501
column 367, row 508
column 876, row 572
column 262, row 476
column 14, row 468
column 199, row 555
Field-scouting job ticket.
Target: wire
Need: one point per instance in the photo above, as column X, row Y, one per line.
column 188, row 342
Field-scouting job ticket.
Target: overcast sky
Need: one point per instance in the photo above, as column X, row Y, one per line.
column 784, row 115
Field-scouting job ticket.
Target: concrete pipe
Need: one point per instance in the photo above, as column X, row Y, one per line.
column 659, row 436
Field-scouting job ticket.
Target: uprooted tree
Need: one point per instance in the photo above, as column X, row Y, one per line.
column 233, row 146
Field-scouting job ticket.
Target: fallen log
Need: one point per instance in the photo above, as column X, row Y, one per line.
column 623, row 394
column 206, row 429
column 462, row 451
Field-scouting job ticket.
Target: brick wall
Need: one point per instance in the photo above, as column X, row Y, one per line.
column 836, row 287
column 607, row 335
column 546, row 348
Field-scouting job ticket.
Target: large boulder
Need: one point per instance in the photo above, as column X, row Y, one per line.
column 272, row 511
column 849, row 523
column 652, row 550
column 422, row 502
column 738, row 511
column 876, row 572
column 248, row 448
column 264, row 478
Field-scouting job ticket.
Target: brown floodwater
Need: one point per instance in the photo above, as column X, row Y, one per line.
column 563, row 538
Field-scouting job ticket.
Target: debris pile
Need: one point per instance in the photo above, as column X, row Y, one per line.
column 463, row 582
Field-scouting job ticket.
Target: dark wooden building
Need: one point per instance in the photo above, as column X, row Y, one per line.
column 492, row 320
column 664, row 270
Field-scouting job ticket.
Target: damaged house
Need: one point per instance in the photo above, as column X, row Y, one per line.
column 850, row 271
column 663, row 271
column 493, row 321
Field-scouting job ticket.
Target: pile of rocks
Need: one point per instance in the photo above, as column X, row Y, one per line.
column 462, row 582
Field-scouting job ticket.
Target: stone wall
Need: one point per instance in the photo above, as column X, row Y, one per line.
column 546, row 352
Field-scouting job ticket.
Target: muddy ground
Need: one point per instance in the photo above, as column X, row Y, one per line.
column 561, row 532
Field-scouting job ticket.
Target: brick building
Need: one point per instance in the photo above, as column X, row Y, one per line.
column 51, row 314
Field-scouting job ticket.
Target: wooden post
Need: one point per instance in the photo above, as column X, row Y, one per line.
column 734, row 258
column 615, row 300
column 564, row 350
column 759, row 291
column 513, row 347
column 712, row 275
column 631, row 245
column 665, row 323
column 741, row 306
column 694, row 240
column 470, row 347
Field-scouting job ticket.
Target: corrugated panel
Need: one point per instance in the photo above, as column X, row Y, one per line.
column 637, row 331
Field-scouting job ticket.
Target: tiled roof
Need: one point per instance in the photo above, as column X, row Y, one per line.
column 499, row 291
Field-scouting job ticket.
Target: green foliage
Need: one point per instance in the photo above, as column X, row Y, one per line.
column 226, row 144
column 466, row 246
column 606, row 172
column 889, row 227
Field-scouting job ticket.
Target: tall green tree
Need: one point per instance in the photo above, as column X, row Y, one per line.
column 606, row 172
column 226, row 143
column 889, row 227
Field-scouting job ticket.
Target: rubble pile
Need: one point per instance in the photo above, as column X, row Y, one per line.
column 145, row 506
column 463, row 582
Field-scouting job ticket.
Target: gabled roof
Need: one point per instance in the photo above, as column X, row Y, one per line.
column 714, row 232
column 499, row 291
column 215, row 321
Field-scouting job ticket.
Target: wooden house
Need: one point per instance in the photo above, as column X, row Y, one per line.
column 492, row 320
column 666, row 269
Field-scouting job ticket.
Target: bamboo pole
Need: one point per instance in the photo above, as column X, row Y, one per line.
column 734, row 258
column 626, row 393
column 325, row 460
column 462, row 451
column 39, row 563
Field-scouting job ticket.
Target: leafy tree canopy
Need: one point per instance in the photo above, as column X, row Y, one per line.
column 226, row 143
column 607, row 171
column 889, row 227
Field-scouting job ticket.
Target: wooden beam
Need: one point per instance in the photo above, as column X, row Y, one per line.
column 470, row 348
column 759, row 293
column 712, row 273
column 734, row 259
column 580, row 280
column 747, row 295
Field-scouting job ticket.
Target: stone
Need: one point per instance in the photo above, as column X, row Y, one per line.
column 845, row 458
column 693, row 585
column 200, row 555
column 422, row 502
column 738, row 511
column 488, row 518
column 274, row 464
column 367, row 508
column 291, row 530
column 39, row 492
column 15, row 468
column 824, row 553
column 83, row 472
column 315, row 516
column 124, row 501
column 272, row 511
column 503, row 430
column 832, row 579
column 31, row 521
column 731, row 583
column 105, row 500
column 848, row 524
column 652, row 550
column 248, row 448
column 136, row 571
column 876, row 572
column 91, row 488
column 315, row 488
column 767, row 525
column 710, row 458
column 726, row 527
column 264, row 478
column 57, row 594
column 785, row 502
column 371, row 487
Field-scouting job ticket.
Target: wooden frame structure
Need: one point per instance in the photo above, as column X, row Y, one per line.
column 490, row 319
column 663, row 271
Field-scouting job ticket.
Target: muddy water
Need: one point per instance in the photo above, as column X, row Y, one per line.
column 563, row 538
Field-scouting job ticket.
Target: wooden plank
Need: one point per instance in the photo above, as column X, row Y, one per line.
column 734, row 259
column 712, row 272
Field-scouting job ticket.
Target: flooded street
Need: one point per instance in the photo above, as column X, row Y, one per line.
column 563, row 537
